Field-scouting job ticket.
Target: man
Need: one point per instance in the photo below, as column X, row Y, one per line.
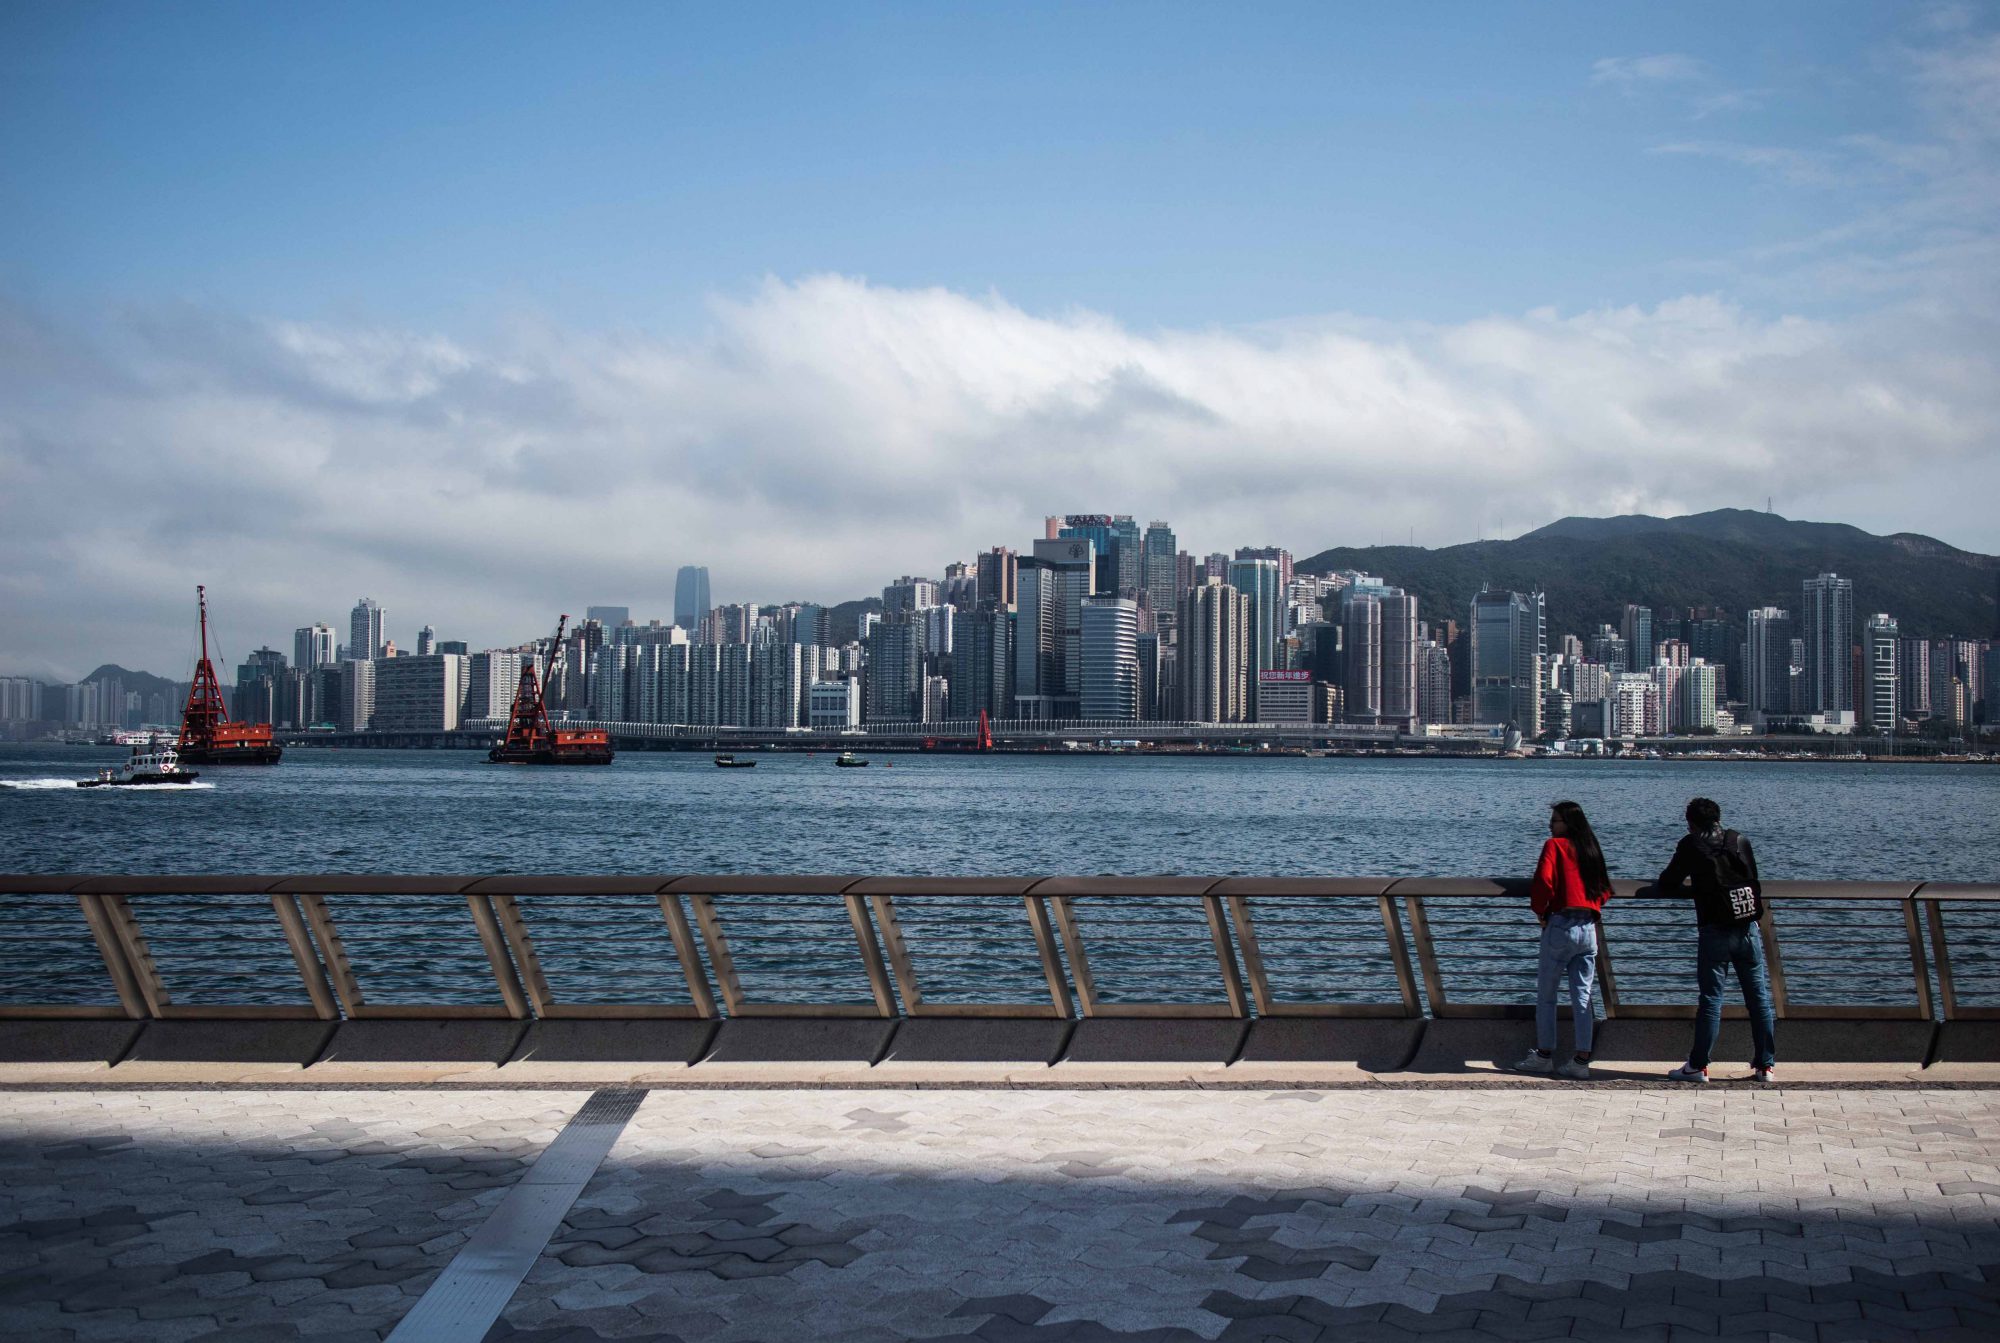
column 1728, row 901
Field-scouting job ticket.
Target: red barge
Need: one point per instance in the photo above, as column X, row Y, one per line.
column 208, row 736
column 531, row 740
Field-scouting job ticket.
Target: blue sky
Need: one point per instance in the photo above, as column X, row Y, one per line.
column 345, row 300
column 1170, row 164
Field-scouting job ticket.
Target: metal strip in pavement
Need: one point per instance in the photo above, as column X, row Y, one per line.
column 465, row 1300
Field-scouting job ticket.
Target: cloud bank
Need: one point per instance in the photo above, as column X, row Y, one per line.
column 825, row 435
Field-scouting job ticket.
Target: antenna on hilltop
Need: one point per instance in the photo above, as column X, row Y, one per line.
column 1767, row 503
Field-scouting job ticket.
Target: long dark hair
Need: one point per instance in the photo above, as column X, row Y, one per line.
column 1589, row 855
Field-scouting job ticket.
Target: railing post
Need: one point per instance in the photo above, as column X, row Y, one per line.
column 898, row 948
column 1916, row 935
column 1947, row 995
column 1045, row 946
column 1253, row 954
column 1079, row 963
column 1225, row 955
column 137, row 955
column 1420, row 928
column 123, row 980
column 515, row 929
column 690, row 958
column 871, row 955
column 718, row 953
column 310, row 971
column 1605, row 974
column 1767, row 927
column 495, row 942
column 334, row 952
column 1399, row 955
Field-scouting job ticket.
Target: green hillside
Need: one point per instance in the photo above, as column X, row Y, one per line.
column 1731, row 558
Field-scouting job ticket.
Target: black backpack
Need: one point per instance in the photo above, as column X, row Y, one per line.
column 1736, row 897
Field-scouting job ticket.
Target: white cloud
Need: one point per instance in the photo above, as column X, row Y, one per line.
column 826, row 435
column 1667, row 68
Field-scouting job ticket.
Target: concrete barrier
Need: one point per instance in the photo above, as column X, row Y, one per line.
column 417, row 1050
column 1146, row 1049
column 604, row 1051
column 59, row 1050
column 810, row 1050
column 1302, row 1050
column 223, row 1051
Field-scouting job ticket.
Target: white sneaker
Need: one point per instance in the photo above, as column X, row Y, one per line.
column 1686, row 1074
column 1765, row 1076
column 1536, row 1063
column 1576, row 1070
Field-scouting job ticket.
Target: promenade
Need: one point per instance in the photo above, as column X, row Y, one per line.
column 1544, row 1212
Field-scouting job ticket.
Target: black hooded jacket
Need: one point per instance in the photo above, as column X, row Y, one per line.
column 1694, row 860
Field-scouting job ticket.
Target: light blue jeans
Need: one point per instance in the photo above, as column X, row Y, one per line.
column 1569, row 948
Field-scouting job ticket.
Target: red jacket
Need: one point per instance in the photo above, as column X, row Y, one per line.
column 1558, row 882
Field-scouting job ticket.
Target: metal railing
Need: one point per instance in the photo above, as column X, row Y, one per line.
column 329, row 947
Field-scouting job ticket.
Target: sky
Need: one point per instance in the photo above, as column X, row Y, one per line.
column 494, row 311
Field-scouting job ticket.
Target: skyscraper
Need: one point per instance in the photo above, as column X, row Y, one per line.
column 1361, row 627
column 1913, row 664
column 364, row 630
column 1399, row 659
column 426, row 641
column 312, row 646
column 1111, row 658
column 691, row 601
column 982, row 662
column 1767, row 661
column 1879, row 692
column 1258, row 579
column 997, row 568
column 1827, row 626
column 1509, row 638
column 1159, row 565
column 1213, row 673
column 1638, row 635
column 896, row 671
column 611, row 617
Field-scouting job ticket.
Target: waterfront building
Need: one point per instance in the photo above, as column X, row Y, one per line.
column 1399, row 659
column 1110, row 659
column 936, row 699
column 1116, row 556
column 1213, row 666
column 1990, row 664
column 1913, row 666
column 1277, row 555
column 418, row 694
column 1285, row 697
column 704, row 685
column 1155, row 677
column 312, row 646
column 1258, row 579
column 1433, row 682
column 895, row 685
column 1882, row 681
column 1361, row 636
column 672, row 666
column 356, row 695
column 1509, row 638
column 982, row 662
column 491, row 678
column 777, row 685
column 1635, row 706
column 1826, row 624
column 1556, row 714
column 1159, row 572
column 1767, row 661
column 606, row 701
column 1967, row 659
column 1700, row 697
column 1048, row 646
column 732, row 685
column 938, row 629
column 364, row 630
column 1637, row 631
column 834, row 704
column 1667, row 693
column 691, row 600
column 809, row 625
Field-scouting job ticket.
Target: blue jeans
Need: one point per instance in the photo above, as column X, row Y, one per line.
column 1569, row 947
column 1724, row 947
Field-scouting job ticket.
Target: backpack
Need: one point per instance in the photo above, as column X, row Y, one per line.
column 1732, row 880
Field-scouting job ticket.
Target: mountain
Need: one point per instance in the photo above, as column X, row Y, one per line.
column 843, row 622
column 1732, row 558
column 144, row 683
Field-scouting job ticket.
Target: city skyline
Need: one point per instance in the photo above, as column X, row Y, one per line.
column 881, row 281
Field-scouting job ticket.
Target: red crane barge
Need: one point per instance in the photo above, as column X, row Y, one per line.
column 208, row 737
column 530, row 738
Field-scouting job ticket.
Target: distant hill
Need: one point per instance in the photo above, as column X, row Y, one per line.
column 843, row 622
column 144, row 683
column 1732, row 558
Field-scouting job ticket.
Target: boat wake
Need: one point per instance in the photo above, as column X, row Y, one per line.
column 37, row 785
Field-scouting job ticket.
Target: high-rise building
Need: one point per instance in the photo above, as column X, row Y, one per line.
column 1399, row 659
column 1635, row 706
column 997, row 568
column 1278, row 555
column 1882, row 682
column 909, row 594
column 1509, row 639
column 1116, row 555
column 1433, row 682
column 364, row 630
column 426, row 641
column 982, row 662
column 1700, row 696
column 1048, row 638
column 419, row 694
column 1361, row 631
column 1159, row 570
column 1767, row 661
column 1913, row 666
column 1260, row 581
column 611, row 617
column 312, row 646
column 1213, row 666
column 492, row 678
column 1827, row 625
column 777, row 686
column 834, row 704
column 895, row 671
column 1637, row 631
column 1111, row 658
column 691, row 600
column 1155, row 678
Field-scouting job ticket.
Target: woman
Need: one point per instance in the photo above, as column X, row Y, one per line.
column 1570, row 888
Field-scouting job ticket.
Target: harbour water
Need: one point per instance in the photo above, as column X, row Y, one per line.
column 414, row 811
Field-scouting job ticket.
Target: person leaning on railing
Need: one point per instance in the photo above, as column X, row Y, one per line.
column 1569, row 890
column 1728, row 902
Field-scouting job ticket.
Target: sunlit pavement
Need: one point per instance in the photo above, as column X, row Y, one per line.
column 1037, row 1215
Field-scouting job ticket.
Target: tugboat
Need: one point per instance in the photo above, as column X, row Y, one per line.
column 207, row 735
column 530, row 738
column 731, row 762
column 153, row 763
column 849, row 760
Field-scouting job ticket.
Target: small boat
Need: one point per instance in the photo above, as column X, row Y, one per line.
column 153, row 763
column 731, row 762
column 849, row 760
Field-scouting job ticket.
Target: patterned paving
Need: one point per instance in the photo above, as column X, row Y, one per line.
column 1183, row 1215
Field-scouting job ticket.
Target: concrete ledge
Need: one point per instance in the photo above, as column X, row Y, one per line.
column 36, row 1049
column 1967, row 1051
column 968, row 1049
column 235, row 1051
column 606, row 1052
column 1471, row 1049
column 793, row 1049
column 1334, row 1049
column 385, row 1049
column 1145, row 1049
